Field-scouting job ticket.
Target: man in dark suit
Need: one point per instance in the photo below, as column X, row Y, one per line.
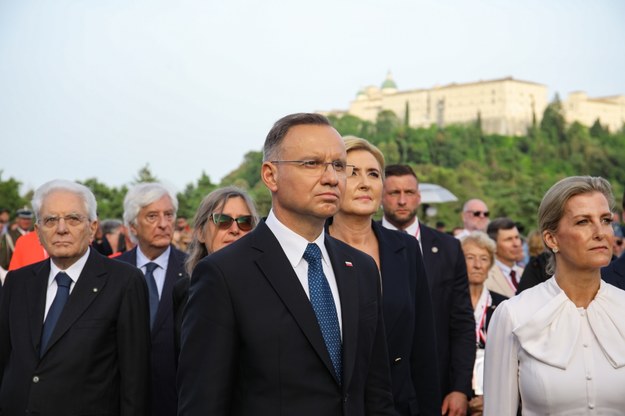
column 74, row 335
column 287, row 320
column 614, row 273
column 149, row 213
column 447, row 275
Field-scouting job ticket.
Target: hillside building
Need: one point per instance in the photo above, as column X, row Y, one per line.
column 505, row 106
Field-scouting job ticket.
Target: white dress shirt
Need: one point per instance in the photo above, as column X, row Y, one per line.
column 72, row 271
column 561, row 359
column 294, row 246
column 158, row 273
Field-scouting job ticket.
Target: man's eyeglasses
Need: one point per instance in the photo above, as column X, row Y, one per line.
column 619, row 242
column 476, row 214
column 223, row 221
column 317, row 168
column 72, row 220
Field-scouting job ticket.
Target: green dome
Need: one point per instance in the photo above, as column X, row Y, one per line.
column 389, row 82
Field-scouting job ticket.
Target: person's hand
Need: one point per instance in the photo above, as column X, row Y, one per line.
column 455, row 404
column 476, row 406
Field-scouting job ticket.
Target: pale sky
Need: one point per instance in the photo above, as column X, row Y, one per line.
column 100, row 88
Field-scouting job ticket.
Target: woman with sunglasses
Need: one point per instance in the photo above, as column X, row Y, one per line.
column 408, row 317
column 224, row 216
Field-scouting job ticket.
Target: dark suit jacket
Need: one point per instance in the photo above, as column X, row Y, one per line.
column 534, row 272
column 409, row 322
column 251, row 344
column 453, row 313
column 97, row 358
column 614, row 273
column 164, row 397
column 180, row 297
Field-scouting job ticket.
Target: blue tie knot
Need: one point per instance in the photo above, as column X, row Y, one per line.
column 150, row 267
column 312, row 253
column 63, row 280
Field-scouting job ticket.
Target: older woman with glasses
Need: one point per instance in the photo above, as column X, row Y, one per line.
column 224, row 216
column 408, row 315
column 558, row 348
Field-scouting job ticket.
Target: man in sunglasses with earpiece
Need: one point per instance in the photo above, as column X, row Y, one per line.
column 474, row 217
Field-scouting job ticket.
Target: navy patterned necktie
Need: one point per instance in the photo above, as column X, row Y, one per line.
column 323, row 305
column 152, row 290
column 63, row 282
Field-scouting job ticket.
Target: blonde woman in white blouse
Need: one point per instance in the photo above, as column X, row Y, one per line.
column 559, row 347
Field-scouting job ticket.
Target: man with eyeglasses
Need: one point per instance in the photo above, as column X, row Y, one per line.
column 287, row 321
column 474, row 217
column 74, row 334
column 150, row 213
column 447, row 277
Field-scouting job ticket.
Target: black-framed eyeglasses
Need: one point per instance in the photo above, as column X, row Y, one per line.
column 317, row 167
column 223, row 221
column 72, row 220
column 476, row 214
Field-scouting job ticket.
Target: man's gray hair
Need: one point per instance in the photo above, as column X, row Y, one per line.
column 91, row 206
column 142, row 195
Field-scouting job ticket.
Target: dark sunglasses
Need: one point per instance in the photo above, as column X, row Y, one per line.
column 619, row 242
column 224, row 221
column 485, row 214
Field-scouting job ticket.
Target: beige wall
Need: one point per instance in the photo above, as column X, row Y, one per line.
column 609, row 110
column 506, row 106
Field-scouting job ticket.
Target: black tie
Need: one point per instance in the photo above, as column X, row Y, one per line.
column 152, row 289
column 63, row 282
column 513, row 278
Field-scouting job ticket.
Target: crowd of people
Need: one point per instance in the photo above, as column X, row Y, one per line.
column 320, row 309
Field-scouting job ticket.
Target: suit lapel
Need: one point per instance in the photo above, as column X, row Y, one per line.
column 175, row 265
column 278, row 271
column 391, row 262
column 87, row 288
column 37, row 291
column 347, row 282
column 431, row 248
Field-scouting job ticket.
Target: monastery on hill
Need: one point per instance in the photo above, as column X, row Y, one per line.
column 506, row 106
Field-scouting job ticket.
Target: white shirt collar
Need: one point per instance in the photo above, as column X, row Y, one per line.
column 292, row 243
column 72, row 271
column 550, row 334
column 412, row 228
column 161, row 260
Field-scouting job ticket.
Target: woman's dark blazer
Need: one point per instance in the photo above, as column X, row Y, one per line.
column 409, row 321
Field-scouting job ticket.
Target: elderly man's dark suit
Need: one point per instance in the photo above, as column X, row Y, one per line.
column 453, row 313
column 251, row 343
column 409, row 322
column 614, row 273
column 164, row 397
column 96, row 362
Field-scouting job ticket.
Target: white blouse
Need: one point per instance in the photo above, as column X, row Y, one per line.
column 560, row 359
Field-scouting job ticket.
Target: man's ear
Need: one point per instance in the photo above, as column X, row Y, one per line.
column 269, row 176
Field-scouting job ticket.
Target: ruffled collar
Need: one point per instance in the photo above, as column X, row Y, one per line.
column 552, row 332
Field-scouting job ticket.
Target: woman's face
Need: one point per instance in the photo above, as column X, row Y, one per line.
column 363, row 191
column 584, row 237
column 215, row 237
column 478, row 261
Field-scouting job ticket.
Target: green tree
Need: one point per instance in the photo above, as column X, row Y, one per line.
column 145, row 175
column 189, row 199
column 10, row 197
column 110, row 200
